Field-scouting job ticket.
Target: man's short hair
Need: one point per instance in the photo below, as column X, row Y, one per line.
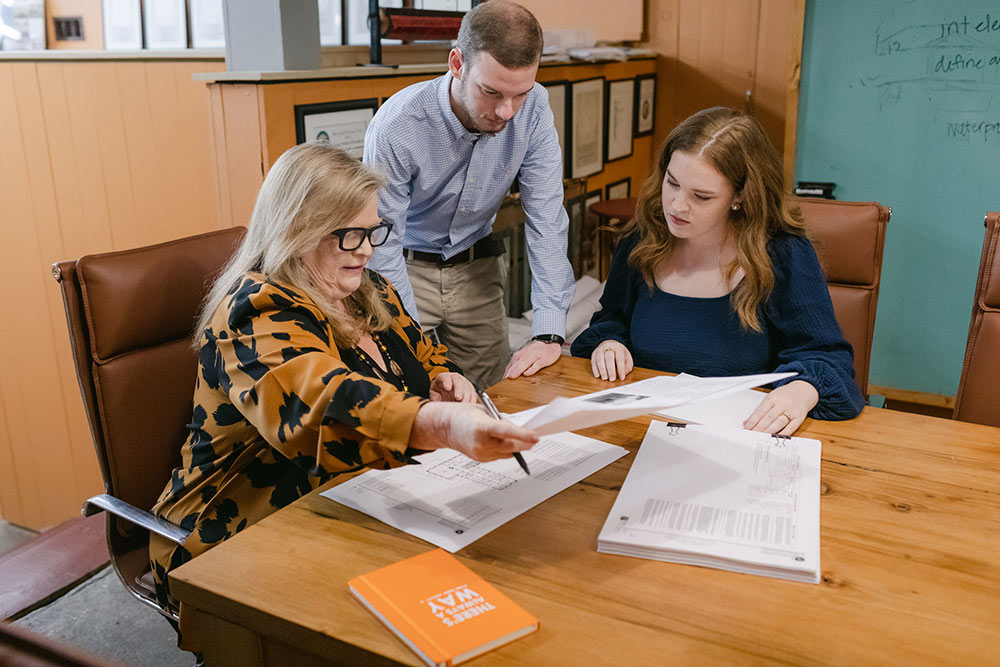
column 505, row 30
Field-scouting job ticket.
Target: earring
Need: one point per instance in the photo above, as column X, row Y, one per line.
column 735, row 207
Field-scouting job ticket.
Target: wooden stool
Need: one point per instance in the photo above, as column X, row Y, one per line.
column 608, row 210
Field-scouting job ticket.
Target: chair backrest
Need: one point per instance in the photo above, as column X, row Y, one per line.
column 131, row 315
column 978, row 391
column 850, row 240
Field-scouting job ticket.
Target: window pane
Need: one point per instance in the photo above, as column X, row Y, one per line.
column 357, row 21
column 330, row 22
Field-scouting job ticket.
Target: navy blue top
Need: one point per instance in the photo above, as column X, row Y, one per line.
column 703, row 336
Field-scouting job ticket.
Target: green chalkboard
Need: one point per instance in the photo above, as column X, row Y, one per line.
column 900, row 103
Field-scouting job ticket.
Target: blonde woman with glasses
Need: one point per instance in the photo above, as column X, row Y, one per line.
column 309, row 365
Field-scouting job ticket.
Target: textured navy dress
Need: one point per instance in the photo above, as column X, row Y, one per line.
column 703, row 336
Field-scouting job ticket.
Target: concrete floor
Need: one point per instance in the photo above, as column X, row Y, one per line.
column 102, row 618
column 12, row 536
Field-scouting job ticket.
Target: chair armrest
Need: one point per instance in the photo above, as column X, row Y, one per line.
column 154, row 524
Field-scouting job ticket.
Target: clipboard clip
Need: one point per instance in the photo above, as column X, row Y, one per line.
column 780, row 439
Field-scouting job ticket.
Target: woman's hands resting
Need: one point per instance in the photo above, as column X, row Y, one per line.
column 781, row 412
column 468, row 429
column 784, row 409
column 611, row 361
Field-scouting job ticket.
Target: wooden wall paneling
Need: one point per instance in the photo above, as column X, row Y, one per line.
column 715, row 54
column 182, row 151
column 778, row 51
column 37, row 385
column 792, row 78
column 68, row 239
column 245, row 168
column 141, row 156
column 114, row 165
column 198, row 177
column 220, row 155
column 19, row 493
column 83, row 126
column 38, row 375
column 10, row 493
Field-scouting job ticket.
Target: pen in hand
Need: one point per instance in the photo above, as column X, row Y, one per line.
column 492, row 410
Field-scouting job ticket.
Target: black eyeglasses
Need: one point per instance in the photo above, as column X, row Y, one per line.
column 351, row 238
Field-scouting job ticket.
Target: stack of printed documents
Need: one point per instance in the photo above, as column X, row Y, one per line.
column 725, row 498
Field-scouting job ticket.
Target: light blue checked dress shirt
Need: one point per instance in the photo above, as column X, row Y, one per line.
column 445, row 185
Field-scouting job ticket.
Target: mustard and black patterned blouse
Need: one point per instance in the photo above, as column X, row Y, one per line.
column 279, row 409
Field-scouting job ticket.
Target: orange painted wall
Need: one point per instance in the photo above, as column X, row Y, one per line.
column 94, row 156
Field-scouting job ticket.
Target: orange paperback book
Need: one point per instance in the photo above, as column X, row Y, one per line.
column 441, row 609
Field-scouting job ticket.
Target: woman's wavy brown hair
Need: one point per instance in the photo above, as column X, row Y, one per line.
column 736, row 145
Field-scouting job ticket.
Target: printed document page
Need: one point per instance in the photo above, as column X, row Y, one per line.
column 730, row 410
column 634, row 399
column 451, row 501
column 725, row 498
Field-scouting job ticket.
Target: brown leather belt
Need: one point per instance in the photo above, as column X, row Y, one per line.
column 486, row 247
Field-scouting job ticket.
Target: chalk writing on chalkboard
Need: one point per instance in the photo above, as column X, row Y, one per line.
column 951, row 65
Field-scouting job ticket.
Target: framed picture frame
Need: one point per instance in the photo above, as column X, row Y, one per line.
column 589, row 242
column 619, row 189
column 618, row 119
column 586, row 127
column 645, row 104
column 343, row 124
column 576, row 210
column 559, row 103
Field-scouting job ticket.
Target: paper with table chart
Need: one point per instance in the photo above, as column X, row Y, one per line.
column 634, row 399
column 725, row 498
column 451, row 500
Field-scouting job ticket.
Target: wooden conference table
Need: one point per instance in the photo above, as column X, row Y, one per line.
column 910, row 525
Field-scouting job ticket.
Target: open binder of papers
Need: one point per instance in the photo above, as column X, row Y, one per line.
column 725, row 498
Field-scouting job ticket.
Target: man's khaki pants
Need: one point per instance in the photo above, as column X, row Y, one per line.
column 464, row 302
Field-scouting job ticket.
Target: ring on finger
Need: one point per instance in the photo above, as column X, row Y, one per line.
column 786, row 416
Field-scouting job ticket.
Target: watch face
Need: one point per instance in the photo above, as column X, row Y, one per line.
column 549, row 338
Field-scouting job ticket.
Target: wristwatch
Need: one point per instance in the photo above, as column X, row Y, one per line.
column 549, row 338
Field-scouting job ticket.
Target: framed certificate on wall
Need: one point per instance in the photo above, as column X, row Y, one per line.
column 618, row 119
column 619, row 189
column 559, row 102
column 587, row 127
column 342, row 124
column 645, row 104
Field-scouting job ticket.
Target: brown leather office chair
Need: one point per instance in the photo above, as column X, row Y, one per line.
column 978, row 391
column 131, row 315
column 850, row 240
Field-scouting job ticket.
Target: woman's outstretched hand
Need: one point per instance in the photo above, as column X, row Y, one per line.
column 468, row 429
